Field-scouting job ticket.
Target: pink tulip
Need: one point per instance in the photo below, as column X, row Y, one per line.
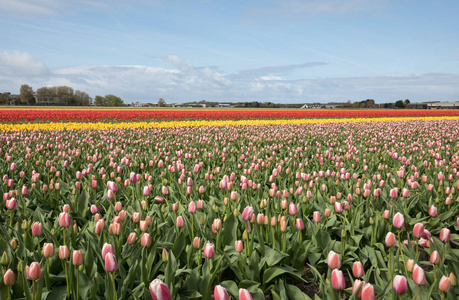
column 110, row 262
column 131, row 238
column 220, row 293
column 164, row 190
column 357, row 269
column 390, row 240
column 433, row 211
column 180, row 222
column 247, row 213
column 368, row 292
column 292, row 210
column 333, row 260
column 145, row 240
column 64, row 219
column 64, row 252
column 418, row 230
column 338, row 207
column 48, row 250
column 398, row 221
column 9, row 278
column 337, row 280
column 399, row 284
column 159, row 290
column 316, row 217
column 34, row 271
column 419, row 277
column 445, row 235
column 435, row 258
column 244, row 295
column 209, row 251
column 299, row 224
column 37, row 229
column 239, row 246
column 11, row 204
column 107, row 248
column 112, row 186
column 445, row 284
column 77, row 258
column 192, row 207
column 358, row 286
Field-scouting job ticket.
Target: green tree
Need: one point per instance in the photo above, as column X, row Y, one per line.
column 113, row 100
column 99, row 101
column 400, row 104
column 161, row 102
column 82, row 98
column 26, row 94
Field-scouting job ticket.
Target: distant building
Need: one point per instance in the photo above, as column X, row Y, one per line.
column 443, row 105
column 416, row 106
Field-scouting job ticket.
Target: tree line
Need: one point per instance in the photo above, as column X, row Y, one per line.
column 57, row 95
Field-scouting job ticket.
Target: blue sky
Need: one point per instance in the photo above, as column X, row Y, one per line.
column 242, row 50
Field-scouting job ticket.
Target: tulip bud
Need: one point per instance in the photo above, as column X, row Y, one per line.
column 357, row 269
column 197, row 243
column 48, row 250
column 165, row 255
column 77, row 258
column 337, row 279
column 419, row 276
column 34, row 271
column 131, row 238
column 5, row 261
column 9, row 278
column 220, row 293
column 14, row 244
column 390, row 240
column 333, row 260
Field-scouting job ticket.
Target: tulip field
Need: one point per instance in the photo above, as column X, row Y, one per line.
column 229, row 204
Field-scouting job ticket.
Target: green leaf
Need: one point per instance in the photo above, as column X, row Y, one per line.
column 229, row 231
column 294, row 292
column 323, row 239
column 277, row 271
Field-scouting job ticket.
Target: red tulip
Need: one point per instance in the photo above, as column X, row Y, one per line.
column 220, row 293
column 159, row 290
column 419, row 277
column 337, row 280
column 110, row 262
column 333, row 260
column 244, row 295
column 399, row 284
column 34, row 271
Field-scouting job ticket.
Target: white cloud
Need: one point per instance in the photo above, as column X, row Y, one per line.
column 21, row 64
column 185, row 82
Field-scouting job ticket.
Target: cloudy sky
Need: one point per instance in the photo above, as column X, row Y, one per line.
column 238, row 50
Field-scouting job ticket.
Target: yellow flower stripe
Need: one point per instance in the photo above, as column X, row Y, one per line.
column 172, row 124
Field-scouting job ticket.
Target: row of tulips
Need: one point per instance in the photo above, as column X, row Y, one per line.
column 117, row 115
column 362, row 210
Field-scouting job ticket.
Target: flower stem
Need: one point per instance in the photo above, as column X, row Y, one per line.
column 67, row 279
column 77, row 283
column 114, row 287
column 34, row 291
column 401, row 252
